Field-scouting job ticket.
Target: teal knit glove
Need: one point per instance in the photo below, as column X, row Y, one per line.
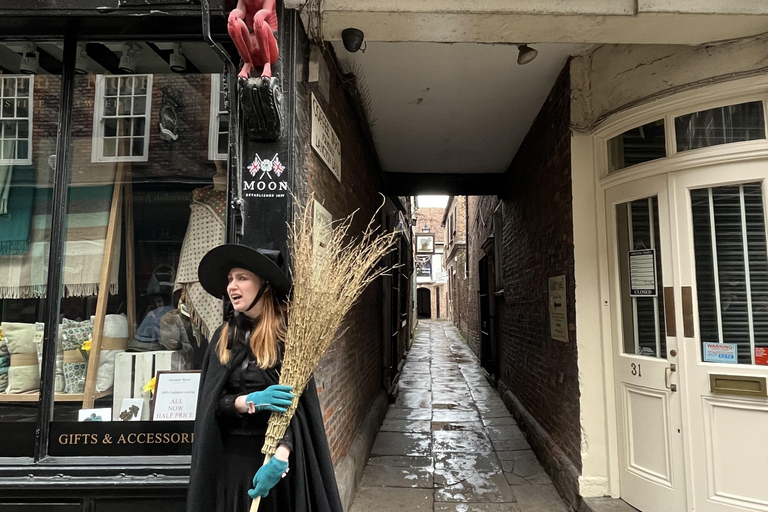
column 275, row 398
column 267, row 477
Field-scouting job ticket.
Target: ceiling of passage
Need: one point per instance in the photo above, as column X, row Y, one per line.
column 452, row 108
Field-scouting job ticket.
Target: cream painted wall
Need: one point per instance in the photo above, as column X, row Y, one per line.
column 610, row 78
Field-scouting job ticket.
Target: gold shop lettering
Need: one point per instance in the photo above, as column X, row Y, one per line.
column 156, row 438
column 78, row 439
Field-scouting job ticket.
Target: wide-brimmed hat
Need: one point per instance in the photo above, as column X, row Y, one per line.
column 217, row 263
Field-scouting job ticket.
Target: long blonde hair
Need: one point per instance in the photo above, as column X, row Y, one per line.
column 265, row 338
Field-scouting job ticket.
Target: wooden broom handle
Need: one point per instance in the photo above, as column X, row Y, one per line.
column 257, row 499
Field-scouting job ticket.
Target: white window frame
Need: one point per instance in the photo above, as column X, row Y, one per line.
column 97, row 149
column 30, row 116
column 214, row 120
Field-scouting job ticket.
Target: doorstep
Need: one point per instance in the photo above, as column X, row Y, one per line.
column 605, row 505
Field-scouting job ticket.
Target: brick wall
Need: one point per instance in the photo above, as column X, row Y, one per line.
column 462, row 308
column 350, row 376
column 537, row 243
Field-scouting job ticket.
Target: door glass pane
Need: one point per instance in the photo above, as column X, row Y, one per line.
column 722, row 125
column 642, row 300
column 731, row 273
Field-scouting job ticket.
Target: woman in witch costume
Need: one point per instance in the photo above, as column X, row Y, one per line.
column 238, row 392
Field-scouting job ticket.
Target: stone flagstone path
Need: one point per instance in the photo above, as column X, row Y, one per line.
column 448, row 443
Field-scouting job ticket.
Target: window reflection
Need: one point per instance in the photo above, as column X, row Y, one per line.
column 638, row 145
column 29, row 110
column 146, row 201
column 722, row 125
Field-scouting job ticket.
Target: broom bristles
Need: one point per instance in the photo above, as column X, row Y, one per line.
column 326, row 284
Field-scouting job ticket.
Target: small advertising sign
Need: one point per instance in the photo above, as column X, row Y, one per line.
column 642, row 273
column 721, row 353
column 761, row 355
column 176, row 396
column 558, row 313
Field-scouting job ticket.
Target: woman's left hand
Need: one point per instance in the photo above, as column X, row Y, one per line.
column 268, row 476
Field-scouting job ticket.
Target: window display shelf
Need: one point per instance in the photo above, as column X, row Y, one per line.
column 58, row 397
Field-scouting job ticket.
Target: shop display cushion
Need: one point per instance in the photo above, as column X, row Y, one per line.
column 5, row 362
column 59, row 382
column 19, row 337
column 73, row 335
column 115, row 329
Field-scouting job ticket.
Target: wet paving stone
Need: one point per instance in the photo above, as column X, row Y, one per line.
column 405, row 426
column 414, row 399
column 454, row 416
column 458, row 441
column 397, row 476
column 392, row 499
column 399, row 413
column 401, row 461
column 476, row 507
column 448, row 443
column 402, row 443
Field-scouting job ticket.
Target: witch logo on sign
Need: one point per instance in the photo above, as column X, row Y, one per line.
column 267, row 174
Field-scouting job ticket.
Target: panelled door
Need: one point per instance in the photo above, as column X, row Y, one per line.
column 644, row 336
column 721, row 231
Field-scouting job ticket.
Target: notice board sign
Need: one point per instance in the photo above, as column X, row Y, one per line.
column 176, row 396
column 642, row 273
column 721, row 353
column 324, row 139
column 558, row 312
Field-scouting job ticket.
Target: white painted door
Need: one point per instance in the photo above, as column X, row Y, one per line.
column 723, row 268
column 651, row 461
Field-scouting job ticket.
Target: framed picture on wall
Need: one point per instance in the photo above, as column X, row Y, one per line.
column 425, row 244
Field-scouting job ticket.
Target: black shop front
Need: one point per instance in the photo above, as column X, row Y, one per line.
column 119, row 157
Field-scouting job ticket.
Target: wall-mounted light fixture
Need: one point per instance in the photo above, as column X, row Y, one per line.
column 81, row 68
column 177, row 60
column 425, row 229
column 525, row 54
column 130, row 59
column 30, row 60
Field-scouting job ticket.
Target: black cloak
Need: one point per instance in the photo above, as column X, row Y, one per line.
column 311, row 468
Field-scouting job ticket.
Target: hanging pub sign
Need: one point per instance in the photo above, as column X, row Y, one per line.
column 324, row 139
column 642, row 273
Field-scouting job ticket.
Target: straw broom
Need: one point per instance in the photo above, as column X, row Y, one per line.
column 326, row 284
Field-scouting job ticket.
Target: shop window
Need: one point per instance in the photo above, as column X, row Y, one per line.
column 121, row 118
column 16, row 119
column 218, row 136
column 25, row 216
column 638, row 145
column 731, row 273
column 139, row 217
column 722, row 125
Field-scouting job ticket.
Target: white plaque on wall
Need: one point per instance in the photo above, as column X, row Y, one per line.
column 558, row 312
column 324, row 139
column 321, row 230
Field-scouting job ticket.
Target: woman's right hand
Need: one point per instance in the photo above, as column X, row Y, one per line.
column 275, row 398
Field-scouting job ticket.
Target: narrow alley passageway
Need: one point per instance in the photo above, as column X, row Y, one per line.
column 448, row 443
